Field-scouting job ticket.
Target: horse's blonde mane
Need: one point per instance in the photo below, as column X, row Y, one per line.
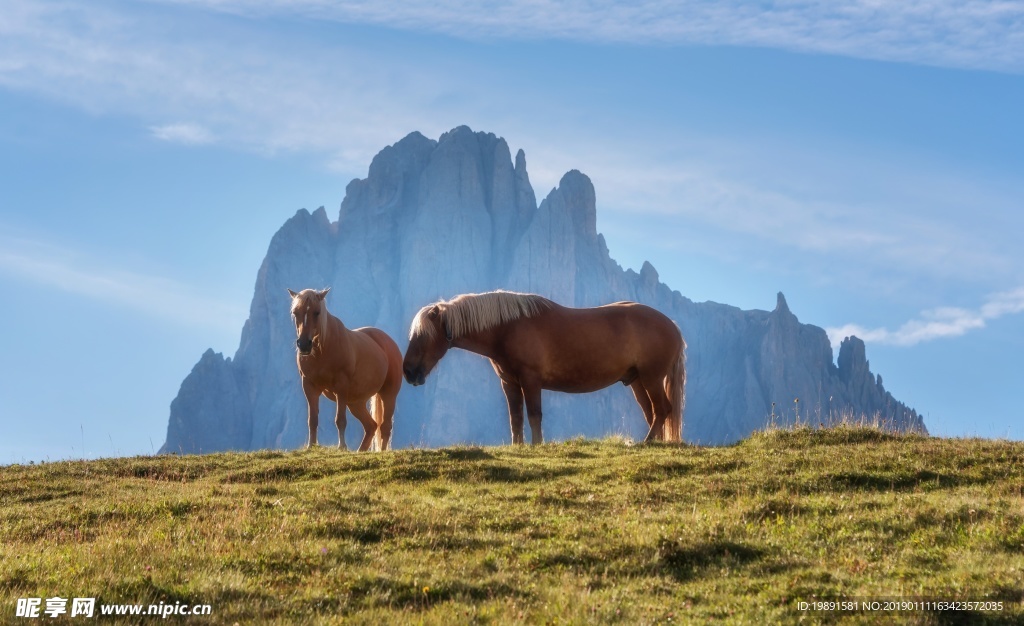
column 474, row 312
column 311, row 297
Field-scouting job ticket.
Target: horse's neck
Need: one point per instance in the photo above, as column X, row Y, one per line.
column 337, row 333
column 336, row 329
column 482, row 342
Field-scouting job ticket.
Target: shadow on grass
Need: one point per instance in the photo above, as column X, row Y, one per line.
column 375, row 529
column 894, row 481
column 366, row 530
column 47, row 495
column 474, row 473
column 514, row 474
column 380, row 591
column 465, row 454
column 687, row 562
column 167, row 468
column 618, row 560
column 288, row 470
column 20, row 579
column 658, row 471
column 773, row 508
column 145, row 591
column 78, row 526
column 790, row 438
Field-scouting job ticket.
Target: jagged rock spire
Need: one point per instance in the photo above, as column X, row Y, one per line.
column 433, row 219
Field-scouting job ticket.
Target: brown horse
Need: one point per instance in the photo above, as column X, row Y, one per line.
column 347, row 366
column 534, row 343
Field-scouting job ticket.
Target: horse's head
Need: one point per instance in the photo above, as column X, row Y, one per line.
column 429, row 340
column 310, row 316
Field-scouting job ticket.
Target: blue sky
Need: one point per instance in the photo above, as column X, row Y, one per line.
column 861, row 157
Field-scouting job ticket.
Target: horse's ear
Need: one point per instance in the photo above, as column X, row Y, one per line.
column 433, row 312
column 292, row 294
column 323, row 294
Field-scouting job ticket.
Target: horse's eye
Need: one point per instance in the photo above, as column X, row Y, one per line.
column 316, row 313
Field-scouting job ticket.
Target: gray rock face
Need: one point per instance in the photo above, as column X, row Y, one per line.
column 434, row 219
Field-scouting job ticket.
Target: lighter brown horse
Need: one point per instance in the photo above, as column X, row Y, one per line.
column 351, row 367
column 534, row 343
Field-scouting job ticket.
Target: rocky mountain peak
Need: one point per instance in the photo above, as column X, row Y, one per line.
column 580, row 201
column 648, row 275
column 433, row 219
column 781, row 307
column 520, row 161
column 852, row 360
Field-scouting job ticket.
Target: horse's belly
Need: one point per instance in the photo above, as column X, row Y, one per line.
column 577, row 387
column 583, row 380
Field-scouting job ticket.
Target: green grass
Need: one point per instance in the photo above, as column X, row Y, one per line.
column 577, row 532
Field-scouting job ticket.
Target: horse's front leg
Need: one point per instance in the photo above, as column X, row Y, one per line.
column 313, row 404
column 532, row 396
column 514, row 396
column 362, row 414
column 341, row 421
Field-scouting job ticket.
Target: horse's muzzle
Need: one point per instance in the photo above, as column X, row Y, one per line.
column 414, row 377
column 305, row 347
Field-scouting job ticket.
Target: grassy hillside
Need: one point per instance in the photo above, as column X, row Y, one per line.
column 579, row 532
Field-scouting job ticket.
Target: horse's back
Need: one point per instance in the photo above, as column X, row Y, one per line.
column 647, row 328
column 623, row 322
column 578, row 350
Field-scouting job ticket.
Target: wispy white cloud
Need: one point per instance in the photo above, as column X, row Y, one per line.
column 985, row 34
column 914, row 225
column 183, row 133
column 244, row 88
column 169, row 300
column 248, row 87
column 1005, row 303
column 936, row 323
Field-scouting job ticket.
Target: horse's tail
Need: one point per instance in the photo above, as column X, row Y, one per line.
column 377, row 413
column 675, row 387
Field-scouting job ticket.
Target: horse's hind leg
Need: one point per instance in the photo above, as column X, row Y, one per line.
column 514, row 396
column 643, row 400
column 388, row 398
column 532, row 396
column 369, row 425
column 661, row 404
column 388, row 393
column 388, row 422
